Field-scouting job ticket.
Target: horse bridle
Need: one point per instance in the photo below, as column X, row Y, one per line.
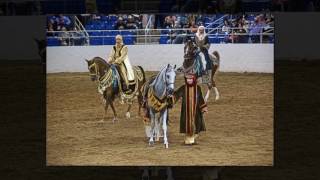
column 96, row 70
column 190, row 56
column 167, row 84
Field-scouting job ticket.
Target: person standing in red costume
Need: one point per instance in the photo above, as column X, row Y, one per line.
column 192, row 109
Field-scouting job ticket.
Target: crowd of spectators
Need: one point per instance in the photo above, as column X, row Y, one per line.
column 236, row 28
column 242, row 30
column 59, row 22
column 63, row 24
column 179, row 27
column 132, row 21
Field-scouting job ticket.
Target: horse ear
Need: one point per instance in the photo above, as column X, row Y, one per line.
column 87, row 60
column 175, row 66
column 168, row 66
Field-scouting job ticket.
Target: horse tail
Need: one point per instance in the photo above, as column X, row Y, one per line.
column 168, row 120
column 216, row 54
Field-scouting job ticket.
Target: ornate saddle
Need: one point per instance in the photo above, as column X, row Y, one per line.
column 114, row 79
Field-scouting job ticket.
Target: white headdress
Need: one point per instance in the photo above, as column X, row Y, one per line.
column 201, row 36
column 119, row 37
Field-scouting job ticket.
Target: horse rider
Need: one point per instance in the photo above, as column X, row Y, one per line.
column 202, row 41
column 119, row 57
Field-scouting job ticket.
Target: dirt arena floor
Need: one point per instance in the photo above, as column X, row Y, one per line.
column 239, row 126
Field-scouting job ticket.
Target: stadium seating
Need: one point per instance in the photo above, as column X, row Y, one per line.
column 107, row 23
column 105, row 37
column 53, row 42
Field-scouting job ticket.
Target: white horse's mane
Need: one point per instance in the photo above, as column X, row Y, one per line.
column 159, row 75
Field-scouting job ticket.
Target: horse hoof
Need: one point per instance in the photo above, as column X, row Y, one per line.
column 217, row 98
column 151, row 143
column 166, row 146
column 121, row 101
column 114, row 120
column 128, row 115
column 158, row 139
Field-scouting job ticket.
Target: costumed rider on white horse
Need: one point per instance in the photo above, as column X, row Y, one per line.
column 119, row 57
column 202, row 42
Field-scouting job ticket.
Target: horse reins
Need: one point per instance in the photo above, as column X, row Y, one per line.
column 95, row 69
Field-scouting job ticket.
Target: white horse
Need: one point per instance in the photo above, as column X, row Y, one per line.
column 158, row 92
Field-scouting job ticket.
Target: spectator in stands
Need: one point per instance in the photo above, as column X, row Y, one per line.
column 64, row 37
column 168, row 23
column 270, row 20
column 131, row 24
column 202, row 41
column 50, row 28
column 77, row 37
column 226, row 30
column 64, row 21
column 120, row 24
column 246, row 30
column 53, row 20
column 193, row 27
column 233, row 23
column 183, row 19
column 240, row 34
column 226, row 27
column 177, row 36
column 139, row 21
column 199, row 20
column 258, row 26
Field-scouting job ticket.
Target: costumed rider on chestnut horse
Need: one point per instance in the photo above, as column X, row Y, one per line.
column 119, row 58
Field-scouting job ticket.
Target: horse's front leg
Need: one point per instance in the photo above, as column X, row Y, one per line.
column 152, row 125
column 164, row 127
column 214, row 70
column 140, row 102
column 128, row 111
column 106, row 105
column 212, row 85
column 157, row 129
column 114, row 112
column 206, row 97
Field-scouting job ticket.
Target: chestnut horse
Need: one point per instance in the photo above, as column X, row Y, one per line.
column 191, row 64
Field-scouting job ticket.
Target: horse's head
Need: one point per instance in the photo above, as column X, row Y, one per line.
column 93, row 70
column 170, row 77
column 190, row 49
column 97, row 67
